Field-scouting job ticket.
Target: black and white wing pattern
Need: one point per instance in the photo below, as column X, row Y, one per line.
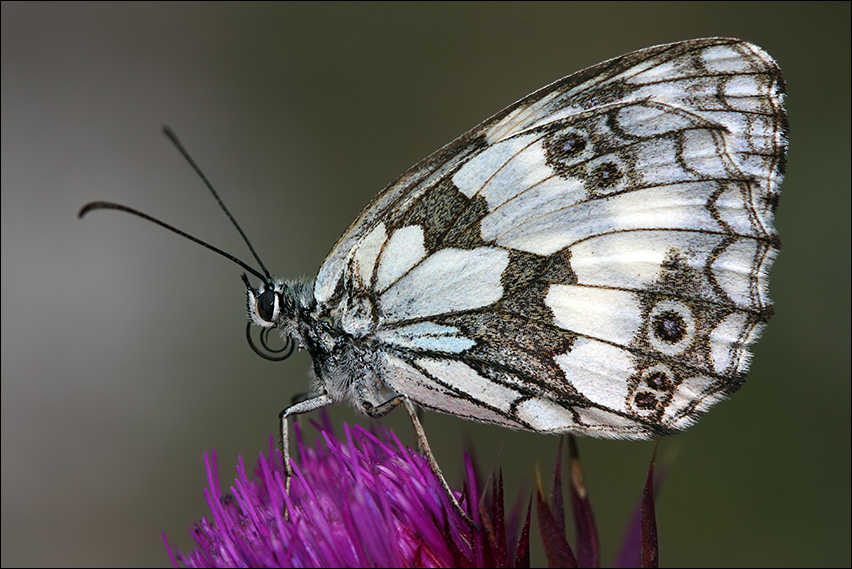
column 593, row 259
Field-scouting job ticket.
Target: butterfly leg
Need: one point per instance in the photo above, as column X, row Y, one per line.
column 382, row 409
column 433, row 464
column 378, row 411
column 304, row 406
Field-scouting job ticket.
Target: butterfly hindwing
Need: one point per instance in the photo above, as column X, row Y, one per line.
column 592, row 259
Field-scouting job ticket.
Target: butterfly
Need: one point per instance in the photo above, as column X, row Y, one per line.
column 592, row 260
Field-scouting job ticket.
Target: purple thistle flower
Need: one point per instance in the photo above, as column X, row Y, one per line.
column 367, row 501
column 361, row 501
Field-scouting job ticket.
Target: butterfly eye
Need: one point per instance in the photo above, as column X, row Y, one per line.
column 267, row 306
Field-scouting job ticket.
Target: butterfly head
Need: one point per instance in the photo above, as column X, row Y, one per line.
column 270, row 306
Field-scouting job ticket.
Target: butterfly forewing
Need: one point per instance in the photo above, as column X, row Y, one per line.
column 592, row 259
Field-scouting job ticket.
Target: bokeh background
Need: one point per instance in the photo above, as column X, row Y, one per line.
column 123, row 355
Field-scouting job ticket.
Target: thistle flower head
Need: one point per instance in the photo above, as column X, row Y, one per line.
column 364, row 500
column 360, row 501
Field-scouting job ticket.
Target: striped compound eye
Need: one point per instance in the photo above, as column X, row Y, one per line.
column 267, row 306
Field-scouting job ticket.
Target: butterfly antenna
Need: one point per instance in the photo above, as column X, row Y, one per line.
column 110, row 205
column 173, row 137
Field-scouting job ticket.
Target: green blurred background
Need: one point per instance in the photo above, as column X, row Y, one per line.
column 123, row 356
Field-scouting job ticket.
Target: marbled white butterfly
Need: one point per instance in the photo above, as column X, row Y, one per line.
column 592, row 260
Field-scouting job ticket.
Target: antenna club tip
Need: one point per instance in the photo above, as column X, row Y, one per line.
column 167, row 130
column 86, row 209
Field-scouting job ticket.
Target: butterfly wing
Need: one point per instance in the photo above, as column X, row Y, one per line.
column 591, row 259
